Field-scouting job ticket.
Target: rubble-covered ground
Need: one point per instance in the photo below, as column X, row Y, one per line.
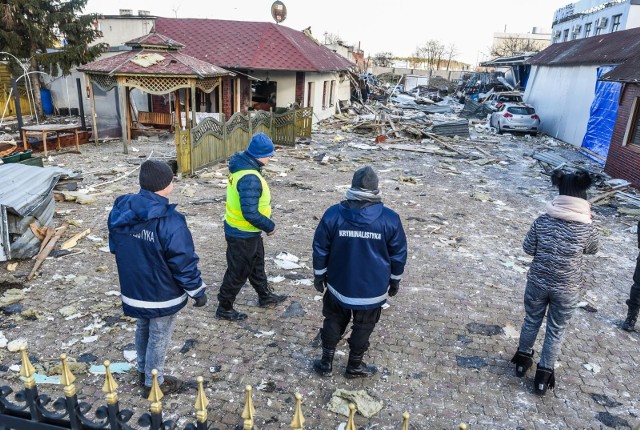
column 442, row 346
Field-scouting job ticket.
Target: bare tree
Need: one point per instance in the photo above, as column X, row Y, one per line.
column 512, row 45
column 383, row 59
column 451, row 53
column 431, row 53
column 332, row 38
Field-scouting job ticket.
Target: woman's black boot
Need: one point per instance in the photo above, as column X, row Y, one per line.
column 523, row 362
column 545, row 379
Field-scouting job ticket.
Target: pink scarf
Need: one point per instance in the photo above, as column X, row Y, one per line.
column 570, row 209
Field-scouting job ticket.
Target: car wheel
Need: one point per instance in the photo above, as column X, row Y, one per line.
column 498, row 128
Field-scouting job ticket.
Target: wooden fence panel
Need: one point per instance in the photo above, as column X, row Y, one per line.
column 213, row 141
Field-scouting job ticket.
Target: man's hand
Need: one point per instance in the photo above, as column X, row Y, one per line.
column 200, row 301
column 394, row 286
column 320, row 283
column 272, row 232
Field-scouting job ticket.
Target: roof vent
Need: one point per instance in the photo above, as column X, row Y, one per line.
column 144, row 13
column 126, row 12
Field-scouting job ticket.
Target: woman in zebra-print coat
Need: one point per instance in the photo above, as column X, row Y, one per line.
column 557, row 240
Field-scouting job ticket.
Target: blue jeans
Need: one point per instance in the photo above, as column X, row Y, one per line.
column 152, row 342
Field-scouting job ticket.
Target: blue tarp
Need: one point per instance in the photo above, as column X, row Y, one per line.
column 602, row 117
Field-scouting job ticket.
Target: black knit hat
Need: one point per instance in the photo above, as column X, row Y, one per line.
column 365, row 179
column 155, row 175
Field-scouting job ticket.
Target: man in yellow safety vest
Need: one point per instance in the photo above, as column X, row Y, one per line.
column 248, row 214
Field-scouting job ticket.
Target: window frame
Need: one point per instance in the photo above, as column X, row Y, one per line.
column 632, row 131
column 587, row 29
column 615, row 22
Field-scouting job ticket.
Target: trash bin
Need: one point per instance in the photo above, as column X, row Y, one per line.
column 47, row 101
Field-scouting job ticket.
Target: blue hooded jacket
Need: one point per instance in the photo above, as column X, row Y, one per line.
column 157, row 263
column 250, row 190
column 359, row 250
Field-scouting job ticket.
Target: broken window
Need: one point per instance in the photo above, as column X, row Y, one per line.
column 565, row 36
column 332, row 93
column 263, row 95
column 324, row 94
column 587, row 29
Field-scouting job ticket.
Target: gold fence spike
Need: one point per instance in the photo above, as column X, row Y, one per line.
column 463, row 426
column 298, row 419
column 201, row 402
column 110, row 385
column 27, row 370
column 351, row 425
column 405, row 421
column 67, row 378
column 249, row 411
column 156, row 393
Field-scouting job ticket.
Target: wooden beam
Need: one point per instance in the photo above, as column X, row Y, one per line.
column 94, row 115
column 122, row 103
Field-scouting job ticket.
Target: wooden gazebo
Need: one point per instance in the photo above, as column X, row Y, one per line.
column 154, row 66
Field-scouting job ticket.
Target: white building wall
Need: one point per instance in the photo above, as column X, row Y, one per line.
column 120, row 29
column 589, row 11
column 562, row 97
column 320, row 112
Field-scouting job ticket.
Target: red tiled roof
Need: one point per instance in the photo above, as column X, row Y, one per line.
column 172, row 63
column 250, row 45
column 612, row 48
column 154, row 39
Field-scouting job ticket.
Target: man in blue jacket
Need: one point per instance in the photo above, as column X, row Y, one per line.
column 359, row 253
column 157, row 267
column 248, row 214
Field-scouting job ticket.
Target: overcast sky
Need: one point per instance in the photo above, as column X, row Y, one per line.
column 396, row 26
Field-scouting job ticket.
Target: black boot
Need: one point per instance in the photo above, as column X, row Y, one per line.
column 270, row 299
column 544, row 379
column 356, row 368
column 229, row 314
column 632, row 316
column 324, row 366
column 523, row 362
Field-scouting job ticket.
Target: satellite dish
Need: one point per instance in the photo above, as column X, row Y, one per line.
column 278, row 11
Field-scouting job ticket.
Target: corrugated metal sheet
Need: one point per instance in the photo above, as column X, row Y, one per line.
column 612, row 48
column 628, row 72
column 25, row 197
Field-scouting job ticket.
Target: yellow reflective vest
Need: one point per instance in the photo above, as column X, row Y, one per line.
column 233, row 215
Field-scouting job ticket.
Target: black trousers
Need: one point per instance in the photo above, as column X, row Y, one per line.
column 245, row 260
column 336, row 320
column 634, row 294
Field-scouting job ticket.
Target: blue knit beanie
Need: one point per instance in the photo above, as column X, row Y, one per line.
column 260, row 146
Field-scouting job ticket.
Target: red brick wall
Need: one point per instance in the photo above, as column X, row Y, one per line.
column 624, row 161
column 227, row 92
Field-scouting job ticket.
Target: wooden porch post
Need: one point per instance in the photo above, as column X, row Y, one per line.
column 129, row 114
column 94, row 115
column 193, row 103
column 124, row 117
column 220, row 107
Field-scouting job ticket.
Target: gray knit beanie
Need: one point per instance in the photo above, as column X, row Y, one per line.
column 155, row 175
column 365, row 179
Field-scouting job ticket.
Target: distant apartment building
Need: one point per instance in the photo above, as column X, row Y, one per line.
column 587, row 18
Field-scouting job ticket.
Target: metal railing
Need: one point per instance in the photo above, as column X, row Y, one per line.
column 34, row 411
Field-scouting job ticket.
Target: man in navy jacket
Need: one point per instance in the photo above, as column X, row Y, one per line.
column 359, row 251
column 157, row 267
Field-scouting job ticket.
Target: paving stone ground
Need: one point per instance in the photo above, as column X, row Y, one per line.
column 444, row 344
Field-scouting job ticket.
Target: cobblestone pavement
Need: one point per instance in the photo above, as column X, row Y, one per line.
column 443, row 345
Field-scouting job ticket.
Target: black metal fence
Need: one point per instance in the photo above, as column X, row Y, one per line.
column 32, row 410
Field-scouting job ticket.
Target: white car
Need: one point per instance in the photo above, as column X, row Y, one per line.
column 494, row 101
column 515, row 117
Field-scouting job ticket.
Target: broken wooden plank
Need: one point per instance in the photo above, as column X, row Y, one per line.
column 73, row 241
column 44, row 253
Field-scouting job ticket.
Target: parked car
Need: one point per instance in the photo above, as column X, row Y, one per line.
column 519, row 117
column 494, row 100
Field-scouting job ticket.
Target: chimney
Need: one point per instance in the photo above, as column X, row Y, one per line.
column 144, row 13
column 126, row 12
